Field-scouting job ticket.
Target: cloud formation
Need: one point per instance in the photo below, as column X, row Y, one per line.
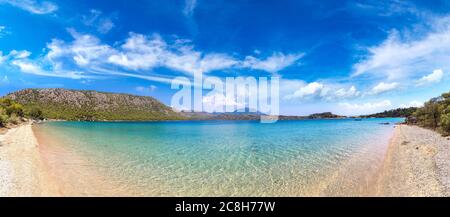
column 328, row 92
column 138, row 55
column 189, row 7
column 95, row 18
column 400, row 57
column 366, row 108
column 384, row 87
column 413, row 103
column 274, row 63
column 434, row 77
column 33, row 6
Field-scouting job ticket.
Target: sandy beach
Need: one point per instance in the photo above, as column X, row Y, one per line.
column 416, row 164
column 22, row 170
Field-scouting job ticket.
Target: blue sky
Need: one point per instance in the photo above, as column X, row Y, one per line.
column 348, row 57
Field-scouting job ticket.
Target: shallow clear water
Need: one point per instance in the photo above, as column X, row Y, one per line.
column 215, row 158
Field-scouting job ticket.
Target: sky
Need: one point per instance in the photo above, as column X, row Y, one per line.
column 347, row 57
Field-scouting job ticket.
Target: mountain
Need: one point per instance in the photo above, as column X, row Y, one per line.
column 64, row 104
column 58, row 103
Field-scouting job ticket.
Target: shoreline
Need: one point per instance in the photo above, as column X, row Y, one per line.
column 22, row 168
column 415, row 164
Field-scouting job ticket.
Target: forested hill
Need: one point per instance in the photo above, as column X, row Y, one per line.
column 394, row 113
column 58, row 103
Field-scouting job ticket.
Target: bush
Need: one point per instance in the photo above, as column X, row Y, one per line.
column 15, row 109
column 14, row 119
column 429, row 115
column 445, row 123
column 435, row 114
column 35, row 113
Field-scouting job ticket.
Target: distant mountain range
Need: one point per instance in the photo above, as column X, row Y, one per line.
column 65, row 104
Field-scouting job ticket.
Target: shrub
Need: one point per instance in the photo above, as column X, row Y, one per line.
column 3, row 117
column 14, row 119
column 35, row 113
column 429, row 115
column 14, row 109
column 445, row 123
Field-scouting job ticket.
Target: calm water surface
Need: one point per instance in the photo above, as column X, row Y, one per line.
column 216, row 158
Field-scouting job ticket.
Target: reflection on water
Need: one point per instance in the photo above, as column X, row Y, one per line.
column 215, row 158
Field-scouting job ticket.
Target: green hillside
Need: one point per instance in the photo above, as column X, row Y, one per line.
column 58, row 103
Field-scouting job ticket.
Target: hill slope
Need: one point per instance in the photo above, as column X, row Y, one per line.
column 58, row 103
column 394, row 113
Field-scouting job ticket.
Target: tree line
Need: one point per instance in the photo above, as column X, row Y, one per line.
column 435, row 114
column 12, row 112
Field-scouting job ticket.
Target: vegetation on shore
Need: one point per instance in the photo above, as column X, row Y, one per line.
column 12, row 112
column 435, row 114
column 394, row 113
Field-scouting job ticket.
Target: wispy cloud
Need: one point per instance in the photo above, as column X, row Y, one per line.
column 328, row 92
column 401, row 57
column 366, row 108
column 274, row 63
column 35, row 69
column 4, row 80
column 136, row 57
column 189, row 7
column 143, row 89
column 434, row 77
column 413, row 103
column 384, row 87
column 96, row 19
column 33, row 6
column 3, row 31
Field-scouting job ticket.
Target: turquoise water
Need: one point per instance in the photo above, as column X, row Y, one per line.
column 217, row 158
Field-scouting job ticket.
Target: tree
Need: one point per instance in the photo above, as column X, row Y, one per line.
column 35, row 113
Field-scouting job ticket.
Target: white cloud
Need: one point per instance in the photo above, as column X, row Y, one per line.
column 95, row 18
column 434, row 77
column 217, row 102
column 384, row 87
column 136, row 57
column 413, row 103
column 35, row 69
column 33, row 6
column 347, row 93
column 402, row 57
column 19, row 54
column 274, row 63
column 84, row 50
column 366, row 108
column 150, row 88
column 311, row 89
column 328, row 92
column 139, row 52
column 3, row 31
column 189, row 7
column 14, row 54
